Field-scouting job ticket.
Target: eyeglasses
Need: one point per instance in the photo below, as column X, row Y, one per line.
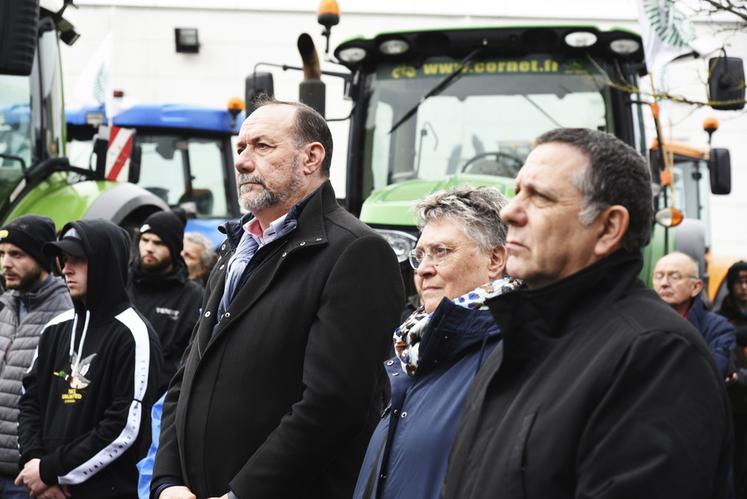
column 672, row 276
column 437, row 254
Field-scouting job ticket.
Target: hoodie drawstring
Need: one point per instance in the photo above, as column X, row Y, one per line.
column 82, row 340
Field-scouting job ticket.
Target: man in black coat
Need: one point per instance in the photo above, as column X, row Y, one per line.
column 282, row 385
column 160, row 288
column 600, row 389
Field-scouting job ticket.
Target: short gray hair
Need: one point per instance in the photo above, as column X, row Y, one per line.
column 477, row 209
column 208, row 255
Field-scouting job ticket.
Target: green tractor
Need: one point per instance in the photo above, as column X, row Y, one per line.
column 434, row 109
column 35, row 175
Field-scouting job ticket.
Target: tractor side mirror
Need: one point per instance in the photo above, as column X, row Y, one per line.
column 719, row 167
column 726, row 83
column 100, row 145
column 133, row 176
column 256, row 84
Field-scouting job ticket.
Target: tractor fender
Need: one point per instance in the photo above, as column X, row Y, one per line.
column 119, row 203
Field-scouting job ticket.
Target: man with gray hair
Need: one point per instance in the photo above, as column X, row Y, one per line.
column 282, row 383
column 677, row 282
column 600, row 389
column 199, row 256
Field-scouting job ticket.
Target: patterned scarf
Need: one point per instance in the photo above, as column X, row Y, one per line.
column 407, row 336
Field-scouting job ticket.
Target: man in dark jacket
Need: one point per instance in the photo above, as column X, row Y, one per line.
column 734, row 306
column 34, row 297
column 160, row 289
column 84, row 418
column 599, row 389
column 677, row 282
column 282, row 385
column 734, row 309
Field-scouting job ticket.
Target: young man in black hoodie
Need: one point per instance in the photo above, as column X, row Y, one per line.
column 85, row 411
column 160, row 288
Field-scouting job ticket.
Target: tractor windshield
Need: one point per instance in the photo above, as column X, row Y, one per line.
column 484, row 122
column 15, row 131
column 181, row 169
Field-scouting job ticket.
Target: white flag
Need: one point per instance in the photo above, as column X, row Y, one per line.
column 94, row 86
column 666, row 33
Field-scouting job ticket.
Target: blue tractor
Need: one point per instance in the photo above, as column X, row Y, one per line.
column 180, row 153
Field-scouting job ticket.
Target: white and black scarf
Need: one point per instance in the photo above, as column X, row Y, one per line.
column 408, row 335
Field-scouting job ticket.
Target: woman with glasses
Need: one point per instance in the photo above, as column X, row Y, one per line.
column 459, row 263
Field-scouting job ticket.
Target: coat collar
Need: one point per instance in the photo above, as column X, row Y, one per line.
column 532, row 319
column 696, row 314
column 309, row 212
column 452, row 331
column 38, row 297
column 310, row 232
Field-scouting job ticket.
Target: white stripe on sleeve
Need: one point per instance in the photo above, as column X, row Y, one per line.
column 129, row 433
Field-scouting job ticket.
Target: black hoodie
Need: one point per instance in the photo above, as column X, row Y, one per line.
column 85, row 412
column 171, row 303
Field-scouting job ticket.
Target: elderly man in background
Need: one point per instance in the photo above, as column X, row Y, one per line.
column 598, row 389
column 199, row 256
column 677, row 282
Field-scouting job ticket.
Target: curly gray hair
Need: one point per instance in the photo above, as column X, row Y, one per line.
column 477, row 209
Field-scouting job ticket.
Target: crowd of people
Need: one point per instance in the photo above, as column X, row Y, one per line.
column 536, row 364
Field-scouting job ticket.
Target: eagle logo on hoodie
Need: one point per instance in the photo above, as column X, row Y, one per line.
column 77, row 377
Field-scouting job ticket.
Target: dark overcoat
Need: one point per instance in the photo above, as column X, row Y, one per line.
column 280, row 398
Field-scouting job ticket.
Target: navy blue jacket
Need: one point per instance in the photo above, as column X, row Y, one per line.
column 717, row 332
column 412, row 441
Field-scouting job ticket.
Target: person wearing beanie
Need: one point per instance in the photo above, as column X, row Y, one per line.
column 734, row 308
column 31, row 299
column 160, row 289
column 85, row 411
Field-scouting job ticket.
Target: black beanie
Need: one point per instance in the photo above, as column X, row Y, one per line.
column 31, row 233
column 169, row 226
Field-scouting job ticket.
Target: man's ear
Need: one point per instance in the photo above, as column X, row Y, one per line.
column 312, row 158
column 697, row 288
column 612, row 225
column 497, row 264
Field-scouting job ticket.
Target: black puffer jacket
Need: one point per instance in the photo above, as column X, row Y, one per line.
column 85, row 412
column 171, row 303
column 599, row 390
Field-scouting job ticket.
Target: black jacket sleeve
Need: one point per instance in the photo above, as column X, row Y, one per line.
column 347, row 343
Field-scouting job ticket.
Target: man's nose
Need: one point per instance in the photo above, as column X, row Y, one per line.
column 512, row 212
column 244, row 163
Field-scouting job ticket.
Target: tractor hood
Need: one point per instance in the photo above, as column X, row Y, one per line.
column 394, row 204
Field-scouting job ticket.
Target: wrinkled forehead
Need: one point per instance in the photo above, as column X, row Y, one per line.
column 443, row 230
column 554, row 164
column 269, row 119
column 674, row 263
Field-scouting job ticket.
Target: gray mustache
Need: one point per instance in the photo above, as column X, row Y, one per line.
column 246, row 178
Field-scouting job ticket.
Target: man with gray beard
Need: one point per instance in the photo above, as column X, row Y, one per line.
column 298, row 313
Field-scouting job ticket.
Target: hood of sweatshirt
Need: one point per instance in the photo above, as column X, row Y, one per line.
column 107, row 247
